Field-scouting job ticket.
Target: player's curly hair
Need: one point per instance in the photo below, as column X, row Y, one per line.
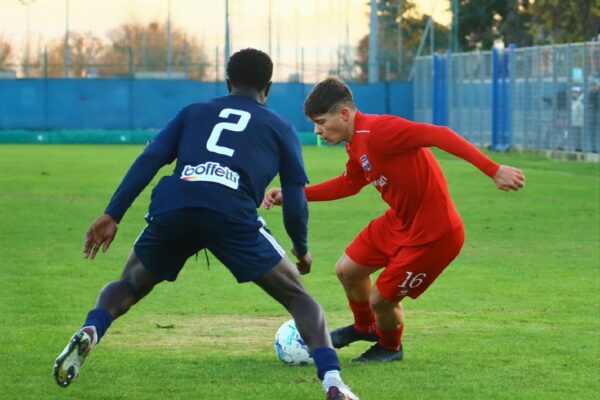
column 328, row 96
column 250, row 68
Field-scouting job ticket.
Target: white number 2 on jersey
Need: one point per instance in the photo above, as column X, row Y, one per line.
column 239, row 126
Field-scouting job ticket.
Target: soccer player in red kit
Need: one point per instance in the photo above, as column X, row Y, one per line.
column 421, row 232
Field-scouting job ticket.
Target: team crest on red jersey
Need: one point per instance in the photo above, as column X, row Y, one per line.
column 364, row 161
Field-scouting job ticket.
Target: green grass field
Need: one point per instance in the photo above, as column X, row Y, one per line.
column 516, row 316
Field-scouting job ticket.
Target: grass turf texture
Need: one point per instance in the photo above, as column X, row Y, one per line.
column 515, row 316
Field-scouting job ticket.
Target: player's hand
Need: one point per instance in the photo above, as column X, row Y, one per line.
column 101, row 234
column 509, row 178
column 273, row 197
column 304, row 262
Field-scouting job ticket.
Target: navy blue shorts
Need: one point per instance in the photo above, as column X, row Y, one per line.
column 248, row 250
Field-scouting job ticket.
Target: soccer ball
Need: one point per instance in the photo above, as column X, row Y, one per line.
column 290, row 347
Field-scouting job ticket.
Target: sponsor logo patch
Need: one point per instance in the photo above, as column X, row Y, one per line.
column 211, row 172
column 364, row 161
column 380, row 182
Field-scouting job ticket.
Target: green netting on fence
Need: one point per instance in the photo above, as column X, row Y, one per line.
column 100, row 136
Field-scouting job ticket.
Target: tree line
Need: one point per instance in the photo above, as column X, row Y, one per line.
column 480, row 24
column 132, row 46
column 139, row 47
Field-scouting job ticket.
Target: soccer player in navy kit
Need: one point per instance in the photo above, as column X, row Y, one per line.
column 227, row 150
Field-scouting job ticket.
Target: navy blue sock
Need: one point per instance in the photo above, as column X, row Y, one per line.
column 99, row 318
column 326, row 359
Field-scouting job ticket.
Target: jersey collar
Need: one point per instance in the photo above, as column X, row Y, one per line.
column 360, row 122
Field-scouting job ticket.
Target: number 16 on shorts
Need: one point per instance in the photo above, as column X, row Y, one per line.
column 411, row 282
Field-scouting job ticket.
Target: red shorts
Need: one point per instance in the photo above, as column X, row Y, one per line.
column 409, row 270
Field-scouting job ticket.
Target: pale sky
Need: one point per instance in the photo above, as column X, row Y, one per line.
column 319, row 27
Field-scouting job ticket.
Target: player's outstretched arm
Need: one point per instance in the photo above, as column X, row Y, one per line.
column 273, row 197
column 100, row 234
column 509, row 178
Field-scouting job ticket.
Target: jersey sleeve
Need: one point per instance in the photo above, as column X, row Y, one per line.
column 396, row 136
column 170, row 135
column 162, row 150
column 347, row 184
column 291, row 164
column 137, row 178
column 295, row 216
column 293, row 178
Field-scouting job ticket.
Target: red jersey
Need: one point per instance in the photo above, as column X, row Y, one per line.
column 392, row 154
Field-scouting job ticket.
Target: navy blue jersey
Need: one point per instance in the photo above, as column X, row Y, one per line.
column 227, row 151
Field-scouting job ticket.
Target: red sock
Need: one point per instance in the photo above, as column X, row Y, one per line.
column 390, row 339
column 363, row 316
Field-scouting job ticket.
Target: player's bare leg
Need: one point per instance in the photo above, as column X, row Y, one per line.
column 356, row 280
column 283, row 283
column 388, row 314
column 113, row 301
column 390, row 323
column 135, row 283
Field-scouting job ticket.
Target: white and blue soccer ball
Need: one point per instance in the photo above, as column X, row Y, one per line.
column 290, row 347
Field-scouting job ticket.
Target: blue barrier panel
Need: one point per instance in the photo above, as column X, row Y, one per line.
column 443, row 92
column 22, row 104
column 509, row 57
column 496, row 103
column 156, row 102
column 287, row 100
column 440, row 90
column 401, row 99
column 86, row 104
column 125, row 104
column 370, row 98
column 501, row 100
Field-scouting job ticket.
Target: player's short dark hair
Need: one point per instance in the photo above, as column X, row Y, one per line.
column 328, row 96
column 250, row 68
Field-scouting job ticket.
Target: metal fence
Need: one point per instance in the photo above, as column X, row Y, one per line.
column 307, row 39
column 132, row 66
column 470, row 96
column 544, row 97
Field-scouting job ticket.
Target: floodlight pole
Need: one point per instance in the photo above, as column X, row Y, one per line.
column 169, row 41
column 420, row 48
column 373, row 66
column 432, row 36
column 227, row 39
column 278, row 40
column 67, row 49
column 28, row 48
column 455, row 7
column 432, row 27
column 27, row 3
column 400, row 40
column 270, row 23
column 347, row 62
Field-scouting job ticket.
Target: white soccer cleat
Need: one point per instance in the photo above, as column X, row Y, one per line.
column 335, row 389
column 69, row 362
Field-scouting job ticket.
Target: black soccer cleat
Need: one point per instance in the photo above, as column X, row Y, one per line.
column 342, row 337
column 379, row 353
